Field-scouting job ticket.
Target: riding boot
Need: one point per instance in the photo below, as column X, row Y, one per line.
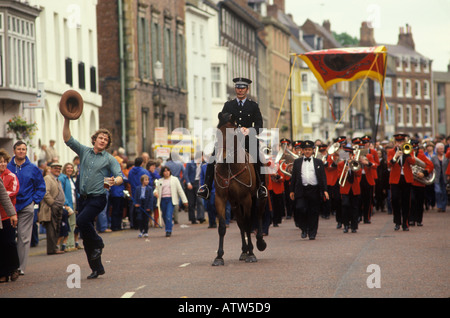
column 262, row 190
column 205, row 190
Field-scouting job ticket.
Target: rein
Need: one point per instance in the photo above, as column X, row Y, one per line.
column 226, row 181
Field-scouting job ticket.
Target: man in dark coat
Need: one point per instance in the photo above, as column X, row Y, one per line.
column 308, row 189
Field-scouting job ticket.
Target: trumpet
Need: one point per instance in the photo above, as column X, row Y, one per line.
column 407, row 147
column 354, row 164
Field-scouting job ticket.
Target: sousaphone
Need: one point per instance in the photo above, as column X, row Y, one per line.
column 71, row 105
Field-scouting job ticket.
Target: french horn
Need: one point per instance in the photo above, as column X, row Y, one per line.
column 71, row 105
column 285, row 159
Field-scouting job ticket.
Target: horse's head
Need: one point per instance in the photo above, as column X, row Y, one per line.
column 226, row 119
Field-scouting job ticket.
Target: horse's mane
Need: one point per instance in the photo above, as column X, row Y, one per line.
column 225, row 118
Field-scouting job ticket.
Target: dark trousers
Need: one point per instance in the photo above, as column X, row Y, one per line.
column 116, row 212
column 9, row 258
column 52, row 229
column 90, row 207
column 277, row 206
column 307, row 209
column 417, row 204
column 366, row 199
column 192, row 200
column 350, row 210
column 400, row 197
column 143, row 217
column 336, row 201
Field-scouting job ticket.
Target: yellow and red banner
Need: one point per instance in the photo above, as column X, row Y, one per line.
column 347, row 64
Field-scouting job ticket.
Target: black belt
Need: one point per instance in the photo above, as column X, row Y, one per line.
column 90, row 196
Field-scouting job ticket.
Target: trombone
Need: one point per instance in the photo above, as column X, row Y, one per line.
column 352, row 164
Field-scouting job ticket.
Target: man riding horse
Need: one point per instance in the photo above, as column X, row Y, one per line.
column 247, row 115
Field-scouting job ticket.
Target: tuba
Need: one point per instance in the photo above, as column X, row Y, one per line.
column 419, row 167
column 285, row 159
column 71, row 105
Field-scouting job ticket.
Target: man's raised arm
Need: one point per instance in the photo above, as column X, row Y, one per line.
column 66, row 130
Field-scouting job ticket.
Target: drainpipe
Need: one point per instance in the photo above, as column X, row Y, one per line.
column 122, row 75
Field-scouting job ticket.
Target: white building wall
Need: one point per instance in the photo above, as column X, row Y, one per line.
column 66, row 29
column 198, row 54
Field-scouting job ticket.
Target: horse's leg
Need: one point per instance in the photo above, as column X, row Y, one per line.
column 260, row 243
column 220, row 207
column 247, row 210
column 244, row 253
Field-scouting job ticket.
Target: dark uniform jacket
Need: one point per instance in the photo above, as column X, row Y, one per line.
column 247, row 116
column 296, row 185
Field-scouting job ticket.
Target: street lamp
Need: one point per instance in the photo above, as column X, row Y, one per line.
column 158, row 72
column 158, row 75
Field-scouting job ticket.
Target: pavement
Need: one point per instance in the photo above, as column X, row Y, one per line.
column 375, row 262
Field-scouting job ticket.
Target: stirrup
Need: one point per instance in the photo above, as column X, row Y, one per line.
column 263, row 190
column 203, row 192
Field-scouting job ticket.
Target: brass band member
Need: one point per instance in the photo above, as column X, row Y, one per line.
column 350, row 190
column 418, row 188
column 400, row 179
column 367, row 183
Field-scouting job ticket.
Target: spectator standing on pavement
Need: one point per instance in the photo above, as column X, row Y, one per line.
column 154, row 175
column 51, row 210
column 134, row 178
column 143, row 202
column 168, row 192
column 9, row 187
column 70, row 205
column 31, row 192
column 209, row 204
column 440, row 163
column 196, row 210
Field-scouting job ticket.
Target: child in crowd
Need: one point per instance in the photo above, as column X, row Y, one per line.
column 143, row 199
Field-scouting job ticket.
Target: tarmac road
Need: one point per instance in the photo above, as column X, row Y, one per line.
column 397, row 264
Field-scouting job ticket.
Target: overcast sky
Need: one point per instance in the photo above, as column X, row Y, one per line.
column 429, row 20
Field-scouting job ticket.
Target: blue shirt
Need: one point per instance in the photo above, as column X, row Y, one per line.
column 94, row 167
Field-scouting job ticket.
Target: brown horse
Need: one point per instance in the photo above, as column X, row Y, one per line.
column 235, row 181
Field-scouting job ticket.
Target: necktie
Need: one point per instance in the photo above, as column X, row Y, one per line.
column 240, row 103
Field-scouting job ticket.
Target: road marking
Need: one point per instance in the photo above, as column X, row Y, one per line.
column 127, row 295
column 184, row 265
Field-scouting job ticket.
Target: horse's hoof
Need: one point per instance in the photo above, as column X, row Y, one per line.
column 218, row 262
column 243, row 257
column 251, row 259
column 261, row 245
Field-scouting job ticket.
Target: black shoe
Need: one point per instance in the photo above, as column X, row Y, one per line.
column 312, row 237
column 345, row 229
column 262, row 192
column 203, row 192
column 353, row 230
column 339, row 225
column 96, row 253
column 168, row 234
column 419, row 224
column 405, row 229
column 397, row 227
column 96, row 274
column 303, row 234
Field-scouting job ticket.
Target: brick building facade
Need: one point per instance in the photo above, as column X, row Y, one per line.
column 134, row 99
